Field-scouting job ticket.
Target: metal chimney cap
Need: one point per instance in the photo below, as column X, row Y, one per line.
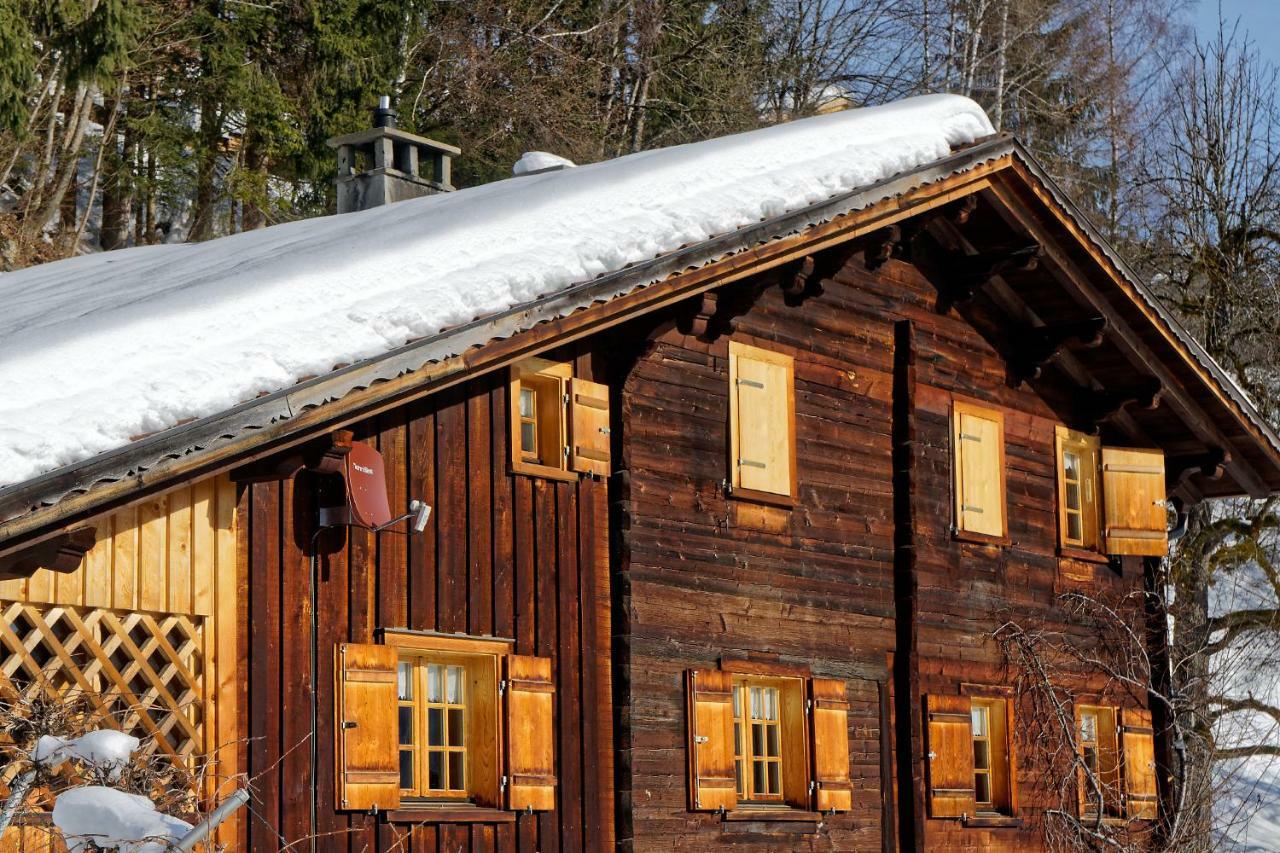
column 384, row 116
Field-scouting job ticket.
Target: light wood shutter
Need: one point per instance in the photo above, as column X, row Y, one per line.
column 978, row 439
column 1134, row 502
column 712, row 783
column 832, row 788
column 761, row 419
column 530, row 733
column 950, row 745
column 589, row 427
column 365, row 730
column 1137, row 740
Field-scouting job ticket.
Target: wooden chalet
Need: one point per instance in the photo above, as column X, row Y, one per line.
column 718, row 546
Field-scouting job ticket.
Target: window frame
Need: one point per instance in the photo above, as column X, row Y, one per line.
column 552, row 420
column 737, row 350
column 961, row 407
column 1089, row 484
column 482, row 661
column 745, row 757
column 1110, row 778
column 1001, row 765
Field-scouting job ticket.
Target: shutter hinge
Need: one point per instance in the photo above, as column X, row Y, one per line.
column 813, row 786
column 502, row 687
column 749, row 463
column 502, row 784
column 726, row 486
column 932, row 755
column 604, row 431
column 970, row 508
column 566, row 397
column 701, row 738
column 565, row 452
column 350, row 724
column 750, row 383
column 808, row 706
column 966, row 436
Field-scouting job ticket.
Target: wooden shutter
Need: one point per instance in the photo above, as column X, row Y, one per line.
column 832, row 789
column 589, row 427
column 1134, row 502
column 950, row 756
column 365, row 729
column 1137, row 741
column 530, row 734
column 712, row 783
column 761, row 419
column 978, row 439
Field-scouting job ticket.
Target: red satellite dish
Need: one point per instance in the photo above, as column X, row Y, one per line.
column 366, row 487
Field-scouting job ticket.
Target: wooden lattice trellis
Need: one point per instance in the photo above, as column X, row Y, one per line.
column 142, row 673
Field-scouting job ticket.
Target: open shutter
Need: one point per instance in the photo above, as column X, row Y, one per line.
column 1134, row 502
column 712, row 783
column 530, row 734
column 368, row 758
column 589, row 427
column 1137, row 740
column 978, row 438
column 950, row 745
column 761, row 415
column 832, row 789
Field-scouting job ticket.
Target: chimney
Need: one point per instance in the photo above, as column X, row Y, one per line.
column 384, row 164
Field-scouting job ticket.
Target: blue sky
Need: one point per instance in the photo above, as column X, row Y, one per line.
column 1261, row 18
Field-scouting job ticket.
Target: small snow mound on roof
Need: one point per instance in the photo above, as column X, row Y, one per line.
column 538, row 161
column 100, row 348
column 114, row 820
column 107, row 749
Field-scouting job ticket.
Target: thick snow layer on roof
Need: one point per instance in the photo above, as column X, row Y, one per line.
column 97, row 350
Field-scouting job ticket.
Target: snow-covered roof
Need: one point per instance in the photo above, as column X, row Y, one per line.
column 98, row 350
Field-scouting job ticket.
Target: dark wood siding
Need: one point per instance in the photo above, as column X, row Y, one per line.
column 510, row 556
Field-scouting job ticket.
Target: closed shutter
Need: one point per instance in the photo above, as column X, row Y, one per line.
column 978, row 438
column 712, row 783
column 368, row 757
column 761, row 418
column 530, row 734
column 589, row 427
column 1137, row 740
column 833, row 790
column 950, row 746
column 1134, row 502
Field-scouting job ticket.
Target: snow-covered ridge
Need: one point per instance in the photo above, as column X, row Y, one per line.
column 99, row 349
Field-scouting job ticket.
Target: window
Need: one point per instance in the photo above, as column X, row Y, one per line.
column 761, row 422
column 757, row 740
column 559, row 424
column 978, row 463
column 423, row 718
column 1109, row 499
column 1117, row 762
column 972, row 772
column 762, row 740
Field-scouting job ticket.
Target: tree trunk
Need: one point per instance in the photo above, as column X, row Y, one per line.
column 117, row 194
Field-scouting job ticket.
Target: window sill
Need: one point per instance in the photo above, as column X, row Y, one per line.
column 1085, row 556
column 528, row 469
column 411, row 812
column 753, row 496
column 980, row 538
column 993, row 821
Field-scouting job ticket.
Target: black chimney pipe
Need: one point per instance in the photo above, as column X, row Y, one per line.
column 384, row 116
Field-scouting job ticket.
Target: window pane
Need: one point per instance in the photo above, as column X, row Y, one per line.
column 737, row 775
column 435, row 727
column 981, row 755
column 435, row 771
column 456, row 727
column 737, row 702
column 404, row 680
column 1073, row 495
column 757, row 777
column 979, row 715
column 771, row 704
column 772, row 742
column 406, row 768
column 457, row 775
column 434, row 691
column 1070, row 465
column 528, row 437
column 982, row 787
column 1091, row 758
column 757, row 739
column 755, row 703
column 455, row 685
column 406, row 726
column 737, row 739
column 1088, row 727
column 528, row 402
column 1073, row 526
column 774, row 784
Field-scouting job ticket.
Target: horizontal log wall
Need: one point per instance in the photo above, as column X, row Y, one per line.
column 512, row 556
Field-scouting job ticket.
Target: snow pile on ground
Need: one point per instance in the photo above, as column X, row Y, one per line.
column 537, row 161
column 97, row 350
column 107, row 749
column 114, row 820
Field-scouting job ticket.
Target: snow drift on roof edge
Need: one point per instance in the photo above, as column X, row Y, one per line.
column 98, row 349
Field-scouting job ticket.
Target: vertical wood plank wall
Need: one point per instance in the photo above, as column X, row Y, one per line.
column 174, row 553
column 511, row 556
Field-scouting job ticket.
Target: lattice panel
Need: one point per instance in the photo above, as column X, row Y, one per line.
column 142, row 673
